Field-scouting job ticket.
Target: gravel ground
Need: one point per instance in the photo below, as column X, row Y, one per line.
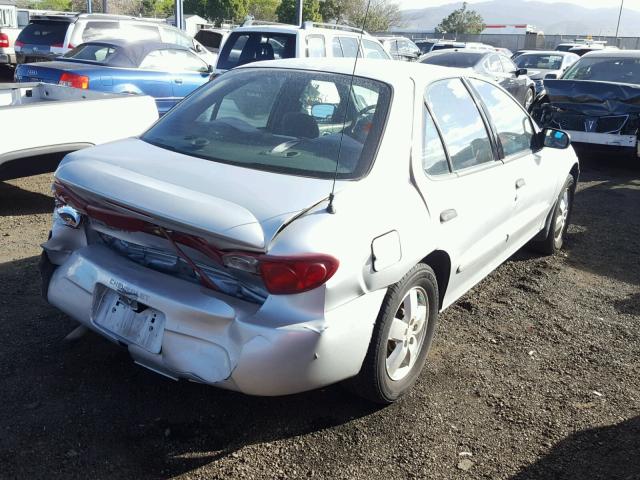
column 534, row 374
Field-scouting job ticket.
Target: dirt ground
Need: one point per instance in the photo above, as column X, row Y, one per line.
column 534, row 374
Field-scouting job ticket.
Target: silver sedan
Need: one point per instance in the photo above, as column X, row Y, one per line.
column 289, row 225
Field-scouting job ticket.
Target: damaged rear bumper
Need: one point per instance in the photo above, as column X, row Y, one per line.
column 284, row 346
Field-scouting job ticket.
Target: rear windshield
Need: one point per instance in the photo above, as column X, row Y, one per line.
column 305, row 123
column 209, row 39
column 453, row 59
column 44, row 33
column 542, row 62
column 246, row 47
column 619, row 70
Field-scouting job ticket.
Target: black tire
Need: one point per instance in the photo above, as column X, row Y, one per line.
column 554, row 242
column 373, row 381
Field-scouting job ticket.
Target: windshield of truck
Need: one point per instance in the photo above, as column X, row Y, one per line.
column 247, row 47
column 292, row 122
column 539, row 62
column 605, row 69
column 44, row 33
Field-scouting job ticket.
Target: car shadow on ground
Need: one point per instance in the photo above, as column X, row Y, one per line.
column 105, row 407
column 604, row 453
column 16, row 201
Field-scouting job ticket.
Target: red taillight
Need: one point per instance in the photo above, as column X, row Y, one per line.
column 4, row 40
column 59, row 45
column 286, row 275
column 18, row 43
column 74, row 80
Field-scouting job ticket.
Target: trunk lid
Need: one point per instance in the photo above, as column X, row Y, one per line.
column 50, row 72
column 594, row 98
column 237, row 207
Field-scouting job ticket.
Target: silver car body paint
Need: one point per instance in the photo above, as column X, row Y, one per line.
column 292, row 343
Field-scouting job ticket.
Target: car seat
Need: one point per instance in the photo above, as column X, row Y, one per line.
column 264, row 51
column 299, row 125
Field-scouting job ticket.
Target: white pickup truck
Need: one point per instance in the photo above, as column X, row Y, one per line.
column 9, row 31
column 41, row 123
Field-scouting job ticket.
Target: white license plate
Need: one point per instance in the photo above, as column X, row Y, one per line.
column 129, row 320
column 611, row 139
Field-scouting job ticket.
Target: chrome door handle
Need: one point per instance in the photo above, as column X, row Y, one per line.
column 520, row 183
column 448, row 215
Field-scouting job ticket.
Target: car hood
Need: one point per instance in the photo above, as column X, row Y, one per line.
column 239, row 206
column 593, row 98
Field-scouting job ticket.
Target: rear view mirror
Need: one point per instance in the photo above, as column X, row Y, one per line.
column 323, row 111
column 556, row 138
column 551, row 76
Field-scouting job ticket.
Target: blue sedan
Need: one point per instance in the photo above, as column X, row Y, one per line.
column 164, row 71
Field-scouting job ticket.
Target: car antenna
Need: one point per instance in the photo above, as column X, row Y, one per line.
column 330, row 207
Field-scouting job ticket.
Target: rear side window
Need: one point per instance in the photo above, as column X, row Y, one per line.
column 44, row 33
column 493, row 64
column 373, row 49
column 315, row 46
column 100, row 30
column 349, row 46
column 434, row 158
column 247, row 47
column 462, row 127
column 508, row 65
column 336, row 48
column 512, row 123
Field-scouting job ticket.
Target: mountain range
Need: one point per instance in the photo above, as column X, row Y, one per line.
column 551, row 18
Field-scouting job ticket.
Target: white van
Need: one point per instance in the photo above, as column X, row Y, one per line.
column 258, row 41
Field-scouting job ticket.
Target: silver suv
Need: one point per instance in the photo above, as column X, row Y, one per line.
column 270, row 41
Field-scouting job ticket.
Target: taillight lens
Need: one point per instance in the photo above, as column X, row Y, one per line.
column 74, row 80
column 60, row 45
column 18, row 44
column 286, row 275
column 4, row 40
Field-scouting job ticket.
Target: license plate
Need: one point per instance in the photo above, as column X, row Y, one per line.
column 129, row 320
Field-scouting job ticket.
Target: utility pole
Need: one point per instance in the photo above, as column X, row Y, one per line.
column 179, row 15
column 104, row 6
column 619, row 18
column 89, row 9
column 299, row 12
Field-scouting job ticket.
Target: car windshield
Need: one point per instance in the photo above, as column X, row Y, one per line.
column 539, row 61
column 605, row 69
column 453, row 59
column 294, row 122
column 44, row 33
column 246, row 47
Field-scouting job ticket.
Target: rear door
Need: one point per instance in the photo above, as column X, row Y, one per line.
column 463, row 183
column 41, row 40
column 494, row 67
column 530, row 176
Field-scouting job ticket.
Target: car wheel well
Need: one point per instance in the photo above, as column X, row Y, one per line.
column 575, row 173
column 440, row 262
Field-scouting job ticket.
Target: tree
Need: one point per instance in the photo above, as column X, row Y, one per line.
column 286, row 11
column 462, row 21
column 380, row 15
column 263, row 9
column 217, row 10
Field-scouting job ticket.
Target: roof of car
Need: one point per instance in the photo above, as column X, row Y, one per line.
column 374, row 69
column 613, row 53
column 286, row 28
column 546, row 52
column 132, row 53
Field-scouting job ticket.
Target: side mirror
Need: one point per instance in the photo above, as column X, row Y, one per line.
column 551, row 76
column 521, row 71
column 553, row 138
column 323, row 111
column 209, row 68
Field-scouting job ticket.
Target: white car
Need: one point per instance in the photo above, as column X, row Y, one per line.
column 258, row 41
column 289, row 225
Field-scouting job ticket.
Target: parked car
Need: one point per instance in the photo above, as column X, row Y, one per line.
column 425, row 46
column 400, row 48
column 504, row 51
column 265, row 41
column 164, row 71
column 447, row 45
column 541, row 64
column 42, row 123
column 49, row 36
column 597, row 101
column 217, row 248
column 9, row 31
column 492, row 64
column 566, row 46
column 213, row 39
column 520, row 52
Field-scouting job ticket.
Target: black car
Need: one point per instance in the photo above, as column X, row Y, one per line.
column 492, row 64
column 597, row 100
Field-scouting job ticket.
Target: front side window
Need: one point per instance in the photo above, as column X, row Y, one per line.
column 434, row 158
column 512, row 123
column 247, row 47
column 92, row 53
column 171, row 60
column 291, row 122
column 493, row 64
column 315, row 46
column 349, row 46
column 462, row 127
column 336, row 47
column 507, row 65
column 373, row 50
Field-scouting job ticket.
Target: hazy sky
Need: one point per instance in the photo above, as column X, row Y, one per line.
column 634, row 4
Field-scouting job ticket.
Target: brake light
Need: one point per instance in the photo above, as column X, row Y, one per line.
column 286, row 275
column 74, row 80
column 58, row 45
column 18, row 44
column 4, row 40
